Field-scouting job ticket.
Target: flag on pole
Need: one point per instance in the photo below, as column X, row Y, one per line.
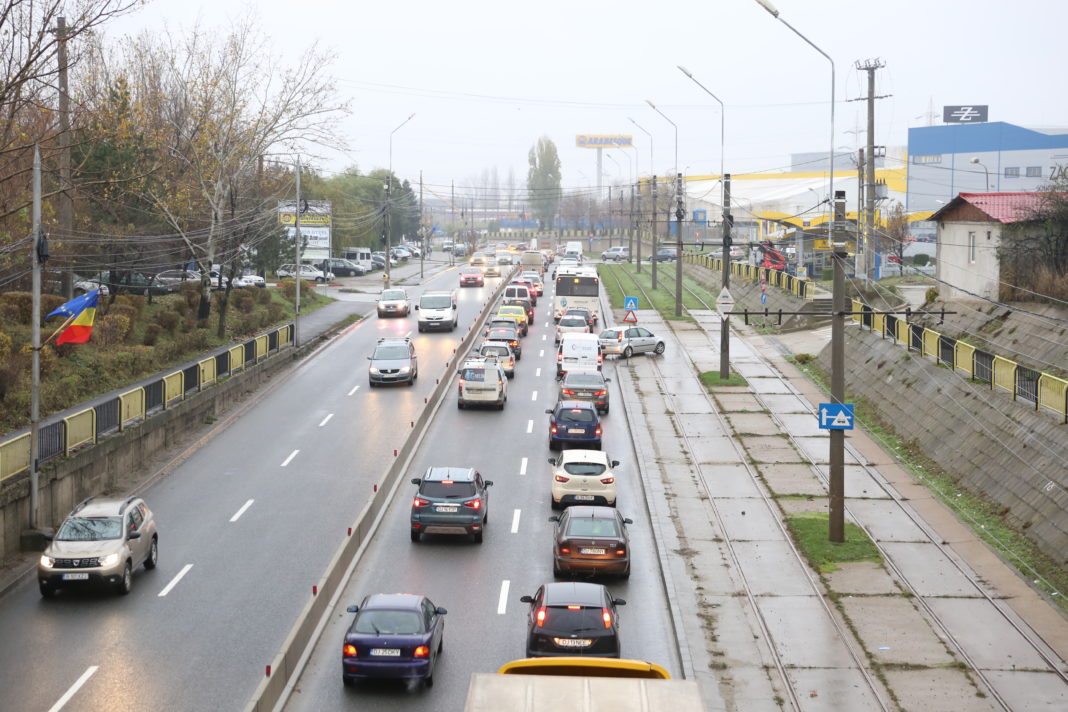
column 80, row 312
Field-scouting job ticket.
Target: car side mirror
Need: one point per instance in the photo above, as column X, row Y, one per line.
column 489, row 483
column 416, row 480
column 134, row 535
column 368, row 358
column 526, row 599
column 417, row 307
column 615, row 463
column 453, row 306
column 352, row 609
column 627, row 520
column 618, row 602
column 440, row 611
column 549, row 411
column 554, row 518
column 552, row 461
column 607, row 380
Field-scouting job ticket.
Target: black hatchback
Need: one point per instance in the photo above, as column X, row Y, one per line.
column 573, row 618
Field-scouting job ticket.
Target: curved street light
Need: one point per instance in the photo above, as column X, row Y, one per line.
column 975, row 160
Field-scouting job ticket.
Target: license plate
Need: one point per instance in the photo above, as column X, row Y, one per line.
column 572, row 642
column 592, row 552
column 386, row 652
column 446, row 510
column 584, row 497
column 576, row 431
column 75, row 577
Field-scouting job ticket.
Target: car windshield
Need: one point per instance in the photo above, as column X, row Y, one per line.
column 90, row 529
column 589, row 526
column 392, row 294
column 388, row 622
column 584, row 468
column 584, row 379
column 473, row 374
column 391, row 352
column 572, row 320
column 447, row 489
column 575, row 415
column 438, row 302
column 574, row 619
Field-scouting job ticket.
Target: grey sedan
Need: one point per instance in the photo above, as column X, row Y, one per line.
column 627, row 341
column 588, row 385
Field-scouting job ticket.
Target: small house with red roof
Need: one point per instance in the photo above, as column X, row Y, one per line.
column 969, row 233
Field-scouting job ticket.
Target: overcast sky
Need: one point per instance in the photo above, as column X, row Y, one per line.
column 486, row 79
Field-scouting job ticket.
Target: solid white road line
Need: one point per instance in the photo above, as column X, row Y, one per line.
column 290, row 458
column 537, row 374
column 530, row 426
column 175, row 580
column 502, row 603
column 534, row 396
column 515, row 522
column 242, row 510
column 74, row 688
column 326, row 420
column 523, row 466
column 354, row 389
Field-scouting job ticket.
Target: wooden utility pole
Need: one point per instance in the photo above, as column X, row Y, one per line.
column 65, row 208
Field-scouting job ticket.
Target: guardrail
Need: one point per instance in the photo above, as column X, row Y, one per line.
column 59, row 437
column 1042, row 390
column 802, row 288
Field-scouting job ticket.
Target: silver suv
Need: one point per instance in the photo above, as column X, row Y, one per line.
column 102, row 541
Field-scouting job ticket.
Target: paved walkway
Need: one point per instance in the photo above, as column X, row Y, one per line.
column 943, row 625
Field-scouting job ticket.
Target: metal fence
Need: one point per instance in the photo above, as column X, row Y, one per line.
column 1041, row 390
column 777, row 278
column 60, row 436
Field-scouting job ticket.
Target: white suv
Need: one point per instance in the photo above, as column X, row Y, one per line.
column 616, row 254
column 482, row 382
column 583, row 477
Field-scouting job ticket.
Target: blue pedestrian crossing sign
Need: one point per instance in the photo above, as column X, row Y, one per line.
column 836, row 416
column 630, row 303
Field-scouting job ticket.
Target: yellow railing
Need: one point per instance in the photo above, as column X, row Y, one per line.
column 964, row 357
column 81, row 429
column 776, row 278
column 930, row 343
column 1004, row 375
column 131, row 407
column 207, row 370
column 14, row 456
column 237, row 356
column 173, row 387
column 1053, row 394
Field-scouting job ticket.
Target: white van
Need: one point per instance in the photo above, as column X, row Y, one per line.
column 578, row 351
column 359, row 255
column 437, row 310
column 532, row 260
column 573, row 250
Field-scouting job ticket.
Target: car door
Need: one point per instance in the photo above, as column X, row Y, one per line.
column 483, row 491
column 645, row 338
column 535, row 604
column 137, row 546
column 414, row 359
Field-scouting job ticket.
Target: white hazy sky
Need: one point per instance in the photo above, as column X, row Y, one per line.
column 486, row 79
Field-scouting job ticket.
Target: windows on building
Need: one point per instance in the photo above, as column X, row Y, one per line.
column 1034, row 171
column 971, row 247
column 1012, row 172
column 932, row 158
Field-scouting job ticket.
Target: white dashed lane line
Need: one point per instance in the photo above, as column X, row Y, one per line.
column 534, row 396
column 515, row 522
column 74, row 688
column 175, row 580
column 537, row 374
column 290, row 458
column 523, row 466
column 354, row 389
column 326, row 420
column 502, row 602
column 541, row 353
column 241, row 511
column 530, row 426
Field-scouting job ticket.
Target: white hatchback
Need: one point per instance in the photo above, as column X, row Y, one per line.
column 583, row 477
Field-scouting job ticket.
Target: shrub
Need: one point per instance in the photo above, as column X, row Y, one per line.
column 5, row 345
column 264, row 296
column 111, row 329
column 275, row 312
column 920, row 259
column 190, row 292
column 124, row 309
column 49, row 359
column 19, row 305
column 135, row 301
column 930, row 296
column 168, row 320
column 243, row 300
column 152, row 332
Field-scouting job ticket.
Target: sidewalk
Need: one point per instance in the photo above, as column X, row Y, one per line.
column 943, row 625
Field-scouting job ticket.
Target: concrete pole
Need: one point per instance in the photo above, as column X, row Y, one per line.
column 724, row 322
column 630, row 232
column 35, row 319
column 297, row 249
column 422, row 228
column 869, row 177
column 836, row 525
column 680, row 211
column 653, row 213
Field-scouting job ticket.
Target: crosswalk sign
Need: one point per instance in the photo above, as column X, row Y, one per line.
column 630, row 303
column 836, row 416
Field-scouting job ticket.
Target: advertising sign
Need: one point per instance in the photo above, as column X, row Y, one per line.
column 603, row 141
column 966, row 114
column 315, row 222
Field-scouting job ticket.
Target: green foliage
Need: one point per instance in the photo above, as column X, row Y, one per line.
column 543, row 180
column 169, row 320
column 810, row 533
column 711, row 380
column 111, row 329
column 930, row 296
column 152, row 333
column 920, row 259
column 19, row 305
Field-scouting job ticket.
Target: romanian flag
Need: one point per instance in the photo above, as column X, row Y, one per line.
column 80, row 311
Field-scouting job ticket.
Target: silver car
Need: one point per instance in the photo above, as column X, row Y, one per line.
column 588, row 385
column 629, row 340
column 393, row 302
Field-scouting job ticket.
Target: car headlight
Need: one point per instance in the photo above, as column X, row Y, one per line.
column 109, row 560
column 47, row 561
column 405, row 369
column 373, row 370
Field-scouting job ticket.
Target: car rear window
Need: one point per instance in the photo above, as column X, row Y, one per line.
column 582, row 619
column 588, row 526
column 90, row 529
column 574, row 320
column 609, row 334
column 501, row 351
column 583, row 379
column 388, row 622
column 575, row 415
column 473, row 374
column 584, row 468
column 447, row 489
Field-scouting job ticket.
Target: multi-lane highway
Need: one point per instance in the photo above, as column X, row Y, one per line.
column 248, row 523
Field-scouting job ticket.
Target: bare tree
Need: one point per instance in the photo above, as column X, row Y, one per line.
column 893, row 237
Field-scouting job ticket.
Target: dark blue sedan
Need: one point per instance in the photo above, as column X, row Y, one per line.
column 574, row 422
column 394, row 635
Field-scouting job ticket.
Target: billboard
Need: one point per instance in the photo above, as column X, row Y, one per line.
column 315, row 222
column 966, row 114
column 603, row 141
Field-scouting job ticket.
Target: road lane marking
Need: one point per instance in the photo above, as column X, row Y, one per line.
column 544, row 336
column 175, row 580
column 74, row 688
column 290, row 458
column 541, row 353
column 242, row 510
column 537, row 374
column 354, row 389
column 502, row 603
column 523, row 466
column 530, row 426
column 534, row 396
column 326, row 420
column 515, row 522
column 546, row 323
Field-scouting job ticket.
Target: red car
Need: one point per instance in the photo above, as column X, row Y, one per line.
column 471, row 277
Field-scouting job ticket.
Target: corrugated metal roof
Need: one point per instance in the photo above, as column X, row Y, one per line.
column 1006, row 207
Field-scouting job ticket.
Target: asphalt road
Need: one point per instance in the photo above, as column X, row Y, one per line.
column 247, row 524
column 480, row 584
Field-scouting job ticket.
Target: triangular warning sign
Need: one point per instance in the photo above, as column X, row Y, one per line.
column 630, row 317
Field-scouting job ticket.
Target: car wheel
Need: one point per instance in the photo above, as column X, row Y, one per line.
column 347, row 681
column 371, row 384
column 478, row 537
column 628, row 352
column 553, row 445
column 659, row 350
column 415, row 534
column 46, row 590
column 597, row 446
column 460, row 405
column 429, row 680
column 126, row 582
column 153, row 554
column 626, row 573
column 554, row 504
column 379, row 315
column 605, row 411
column 557, row 571
column 421, row 329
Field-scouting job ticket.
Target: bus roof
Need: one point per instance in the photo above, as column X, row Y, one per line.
column 584, row 666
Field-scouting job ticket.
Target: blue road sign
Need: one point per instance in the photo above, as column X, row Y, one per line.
column 630, row 303
column 836, row 416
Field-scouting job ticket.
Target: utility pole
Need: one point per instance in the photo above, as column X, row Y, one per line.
column 680, row 211
column 385, row 222
column 653, row 213
column 860, row 191
column 638, row 237
column 620, row 214
column 632, row 226
column 610, row 224
column 297, row 249
column 66, row 199
column 422, row 228
column 869, row 66
column 836, row 524
column 35, row 319
column 724, row 323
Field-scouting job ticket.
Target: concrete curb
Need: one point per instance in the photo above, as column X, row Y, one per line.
column 289, row 661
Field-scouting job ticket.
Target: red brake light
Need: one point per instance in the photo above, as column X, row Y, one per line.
column 619, row 336
column 422, row 651
column 567, row 392
column 598, row 431
column 607, row 480
column 473, row 503
column 349, row 650
column 565, row 550
column 621, row 552
column 606, row 616
column 600, row 358
column 559, row 357
column 540, row 616
column 561, row 478
column 552, row 428
column 602, row 393
column 420, row 502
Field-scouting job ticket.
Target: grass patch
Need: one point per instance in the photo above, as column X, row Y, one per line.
column 712, row 380
column 633, row 284
column 809, row 531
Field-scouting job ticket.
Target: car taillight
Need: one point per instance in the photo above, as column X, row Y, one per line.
column 597, row 432
column 420, row 502
column 565, row 550
column 473, row 503
column 606, row 616
column 619, row 336
column 600, row 359
column 559, row 357
column 540, row 616
column 349, row 651
column 602, row 393
column 552, row 428
column 621, row 552
column 607, row 480
column 561, row 478
column 423, row 651
column 567, row 392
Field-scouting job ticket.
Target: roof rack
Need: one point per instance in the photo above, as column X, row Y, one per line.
column 122, row 509
column 78, row 507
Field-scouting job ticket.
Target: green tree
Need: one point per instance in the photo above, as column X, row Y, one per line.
column 1033, row 253
column 890, row 237
column 543, row 181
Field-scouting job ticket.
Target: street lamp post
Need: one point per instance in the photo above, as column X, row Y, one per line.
column 638, row 253
column 677, row 188
column 389, row 193
column 836, row 528
column 975, row 160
